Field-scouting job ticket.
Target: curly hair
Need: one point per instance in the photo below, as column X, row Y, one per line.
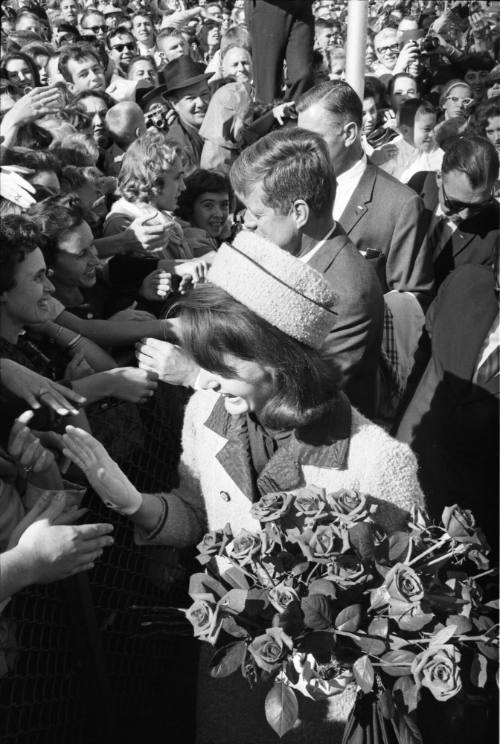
column 19, row 236
column 142, row 175
column 56, row 216
column 198, row 183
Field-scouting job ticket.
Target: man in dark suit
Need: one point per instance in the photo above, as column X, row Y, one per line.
column 451, row 422
column 463, row 216
column 382, row 217
column 286, row 183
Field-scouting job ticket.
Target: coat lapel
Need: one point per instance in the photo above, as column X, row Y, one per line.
column 361, row 196
column 234, row 454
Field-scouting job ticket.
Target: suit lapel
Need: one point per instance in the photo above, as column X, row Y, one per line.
column 361, row 196
column 326, row 255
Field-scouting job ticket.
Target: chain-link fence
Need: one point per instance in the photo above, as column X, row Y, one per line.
column 83, row 661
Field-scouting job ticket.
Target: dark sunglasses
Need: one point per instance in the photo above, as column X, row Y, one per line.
column 454, row 206
column 95, row 29
column 121, row 47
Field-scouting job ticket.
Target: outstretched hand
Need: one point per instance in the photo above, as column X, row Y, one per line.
column 102, row 472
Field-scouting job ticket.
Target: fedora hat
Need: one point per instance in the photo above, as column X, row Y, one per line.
column 182, row 73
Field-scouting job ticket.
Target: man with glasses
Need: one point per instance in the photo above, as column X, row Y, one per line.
column 122, row 47
column 92, row 23
column 391, row 59
column 465, row 218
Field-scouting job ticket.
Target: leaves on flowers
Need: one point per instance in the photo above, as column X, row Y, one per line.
column 227, row 659
column 363, row 673
column 281, row 708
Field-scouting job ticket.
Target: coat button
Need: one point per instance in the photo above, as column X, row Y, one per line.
column 225, row 496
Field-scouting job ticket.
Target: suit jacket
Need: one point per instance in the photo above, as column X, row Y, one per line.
column 355, row 339
column 475, row 241
column 388, row 217
column 452, row 423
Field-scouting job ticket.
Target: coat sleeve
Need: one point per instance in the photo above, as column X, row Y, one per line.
column 185, row 515
column 409, row 263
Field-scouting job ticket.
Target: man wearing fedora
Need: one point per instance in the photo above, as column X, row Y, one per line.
column 186, row 89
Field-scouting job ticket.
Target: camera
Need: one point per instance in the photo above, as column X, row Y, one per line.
column 428, row 44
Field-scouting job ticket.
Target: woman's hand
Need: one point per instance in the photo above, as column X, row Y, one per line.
column 34, row 105
column 132, row 384
column 284, row 111
column 103, row 474
column 37, row 390
column 168, row 361
column 14, row 187
column 78, row 367
column 156, row 286
column 390, row 120
column 26, row 448
column 51, row 550
column 151, row 237
column 130, row 313
column 192, row 272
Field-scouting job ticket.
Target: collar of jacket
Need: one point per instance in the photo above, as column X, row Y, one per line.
column 324, row 444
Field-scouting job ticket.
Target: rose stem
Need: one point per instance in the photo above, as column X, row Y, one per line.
column 316, row 565
column 434, row 547
column 480, row 575
column 267, row 573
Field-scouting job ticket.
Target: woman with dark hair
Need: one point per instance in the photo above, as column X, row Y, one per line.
column 204, row 207
column 21, row 72
column 269, row 417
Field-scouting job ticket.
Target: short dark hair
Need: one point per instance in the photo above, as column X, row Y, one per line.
column 392, row 82
column 77, row 52
column 305, row 381
column 475, row 156
column 411, row 108
column 18, row 237
column 35, row 160
column 336, row 97
column 118, row 31
column 476, row 62
column 198, row 183
column 483, row 113
column 92, row 94
column 56, row 216
column 289, row 164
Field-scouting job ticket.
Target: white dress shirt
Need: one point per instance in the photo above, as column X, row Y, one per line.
column 346, row 185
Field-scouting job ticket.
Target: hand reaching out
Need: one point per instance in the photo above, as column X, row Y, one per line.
column 170, row 362
column 37, row 390
column 130, row 313
column 103, row 474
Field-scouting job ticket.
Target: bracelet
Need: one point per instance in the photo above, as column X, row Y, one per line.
column 74, row 341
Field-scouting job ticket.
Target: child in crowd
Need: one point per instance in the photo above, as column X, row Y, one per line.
column 416, row 146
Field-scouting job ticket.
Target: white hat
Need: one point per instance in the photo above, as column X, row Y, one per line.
column 276, row 286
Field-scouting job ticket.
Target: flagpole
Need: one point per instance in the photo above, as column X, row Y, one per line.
column 357, row 21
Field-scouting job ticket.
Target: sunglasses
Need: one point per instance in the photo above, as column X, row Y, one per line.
column 463, row 101
column 454, row 206
column 391, row 48
column 121, row 47
column 95, row 29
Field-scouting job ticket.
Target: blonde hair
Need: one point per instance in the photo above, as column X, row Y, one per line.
column 144, row 166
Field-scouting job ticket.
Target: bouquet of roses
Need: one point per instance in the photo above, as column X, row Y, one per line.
column 338, row 589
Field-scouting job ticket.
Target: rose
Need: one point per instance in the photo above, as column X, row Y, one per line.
column 346, row 571
column 213, row 543
column 281, row 596
column 271, row 506
column 402, row 584
column 348, row 504
column 438, row 669
column 203, row 617
column 310, row 502
column 244, row 547
column 461, row 525
column 270, row 649
column 324, row 543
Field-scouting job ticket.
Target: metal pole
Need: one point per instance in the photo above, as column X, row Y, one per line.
column 357, row 21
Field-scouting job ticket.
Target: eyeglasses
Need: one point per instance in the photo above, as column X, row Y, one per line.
column 95, row 29
column 464, row 101
column 454, row 206
column 391, row 48
column 121, row 47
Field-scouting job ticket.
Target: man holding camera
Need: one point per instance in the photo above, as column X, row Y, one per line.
column 391, row 59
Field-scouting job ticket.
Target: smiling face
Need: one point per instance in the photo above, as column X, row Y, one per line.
column 423, row 138
column 122, row 49
column 76, row 260
column 210, row 212
column 478, row 81
column 369, row 115
column 387, row 48
column 237, row 62
column 247, row 392
column 191, row 104
column 29, row 299
column 142, row 28
column 20, row 74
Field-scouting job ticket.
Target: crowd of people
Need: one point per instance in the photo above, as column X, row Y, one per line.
column 192, row 194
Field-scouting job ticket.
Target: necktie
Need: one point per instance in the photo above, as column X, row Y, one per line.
column 489, row 368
